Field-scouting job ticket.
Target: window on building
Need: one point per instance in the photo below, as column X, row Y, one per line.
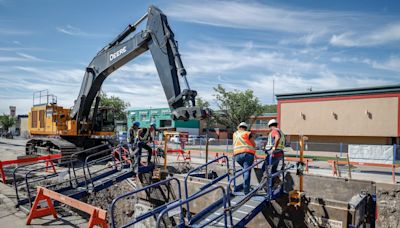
column 143, row 117
column 165, row 123
column 166, row 112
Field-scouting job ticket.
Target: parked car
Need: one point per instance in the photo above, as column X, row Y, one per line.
column 199, row 139
column 175, row 139
column 261, row 142
column 122, row 136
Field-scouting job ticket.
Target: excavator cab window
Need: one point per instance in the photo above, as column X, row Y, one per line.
column 105, row 120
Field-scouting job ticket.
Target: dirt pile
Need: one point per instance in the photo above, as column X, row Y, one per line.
column 124, row 209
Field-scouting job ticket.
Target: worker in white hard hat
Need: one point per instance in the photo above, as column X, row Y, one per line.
column 276, row 142
column 244, row 151
column 274, row 150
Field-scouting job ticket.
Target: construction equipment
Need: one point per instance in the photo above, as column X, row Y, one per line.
column 296, row 196
column 65, row 131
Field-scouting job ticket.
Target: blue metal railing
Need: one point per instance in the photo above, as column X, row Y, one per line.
column 149, row 213
column 191, row 172
column 191, row 198
column 27, row 170
column 88, row 163
column 28, row 181
column 254, row 191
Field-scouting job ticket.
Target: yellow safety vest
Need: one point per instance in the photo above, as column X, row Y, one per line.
column 282, row 139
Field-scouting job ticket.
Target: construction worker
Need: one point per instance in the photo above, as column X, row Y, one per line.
column 146, row 135
column 134, row 148
column 274, row 151
column 275, row 145
column 243, row 152
column 133, row 133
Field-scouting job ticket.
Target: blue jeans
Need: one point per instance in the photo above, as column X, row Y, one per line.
column 274, row 163
column 245, row 160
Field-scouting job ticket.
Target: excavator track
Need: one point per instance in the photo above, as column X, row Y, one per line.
column 45, row 146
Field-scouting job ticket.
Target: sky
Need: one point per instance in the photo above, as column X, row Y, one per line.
column 298, row 44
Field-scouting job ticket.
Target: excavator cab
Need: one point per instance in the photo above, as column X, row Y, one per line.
column 104, row 120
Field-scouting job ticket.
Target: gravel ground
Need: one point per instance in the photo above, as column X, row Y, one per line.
column 389, row 207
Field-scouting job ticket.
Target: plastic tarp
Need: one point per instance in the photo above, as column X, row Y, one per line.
column 379, row 154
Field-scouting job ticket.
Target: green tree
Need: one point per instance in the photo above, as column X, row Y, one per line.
column 200, row 102
column 7, row 121
column 236, row 106
column 116, row 103
column 270, row 108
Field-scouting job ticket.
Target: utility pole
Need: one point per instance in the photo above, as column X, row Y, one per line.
column 273, row 91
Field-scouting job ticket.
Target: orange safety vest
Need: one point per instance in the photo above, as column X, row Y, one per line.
column 242, row 143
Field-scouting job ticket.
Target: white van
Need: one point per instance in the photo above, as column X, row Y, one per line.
column 175, row 138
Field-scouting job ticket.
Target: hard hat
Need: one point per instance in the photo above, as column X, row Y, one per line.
column 243, row 124
column 136, row 123
column 153, row 125
column 272, row 121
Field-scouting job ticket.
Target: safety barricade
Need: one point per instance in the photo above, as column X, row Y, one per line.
column 121, row 154
column 222, row 161
column 47, row 158
column 183, row 155
column 335, row 171
column 98, row 216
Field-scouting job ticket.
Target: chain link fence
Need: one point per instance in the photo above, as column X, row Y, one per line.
column 198, row 147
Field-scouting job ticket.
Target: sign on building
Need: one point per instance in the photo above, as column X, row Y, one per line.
column 13, row 111
column 183, row 138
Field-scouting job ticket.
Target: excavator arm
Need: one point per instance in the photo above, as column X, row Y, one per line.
column 159, row 39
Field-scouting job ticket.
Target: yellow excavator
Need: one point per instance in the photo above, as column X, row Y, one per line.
column 55, row 129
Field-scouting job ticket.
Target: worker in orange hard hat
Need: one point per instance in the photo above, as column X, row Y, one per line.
column 244, row 151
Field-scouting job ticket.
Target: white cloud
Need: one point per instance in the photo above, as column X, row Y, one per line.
column 388, row 34
column 392, row 64
column 251, row 15
column 74, row 31
column 203, row 58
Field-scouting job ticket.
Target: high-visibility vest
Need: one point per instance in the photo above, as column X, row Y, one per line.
column 145, row 136
column 271, row 141
column 242, row 143
column 133, row 134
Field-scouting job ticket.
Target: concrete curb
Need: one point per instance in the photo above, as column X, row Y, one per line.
column 8, row 203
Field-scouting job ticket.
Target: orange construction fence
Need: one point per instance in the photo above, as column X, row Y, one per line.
column 334, row 164
column 98, row 216
column 182, row 154
column 47, row 158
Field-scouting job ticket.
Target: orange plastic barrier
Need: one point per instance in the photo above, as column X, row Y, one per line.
column 334, row 163
column 98, row 216
column 124, row 156
column 47, row 158
column 220, row 161
column 181, row 153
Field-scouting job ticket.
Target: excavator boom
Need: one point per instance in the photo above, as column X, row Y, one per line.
column 159, row 39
